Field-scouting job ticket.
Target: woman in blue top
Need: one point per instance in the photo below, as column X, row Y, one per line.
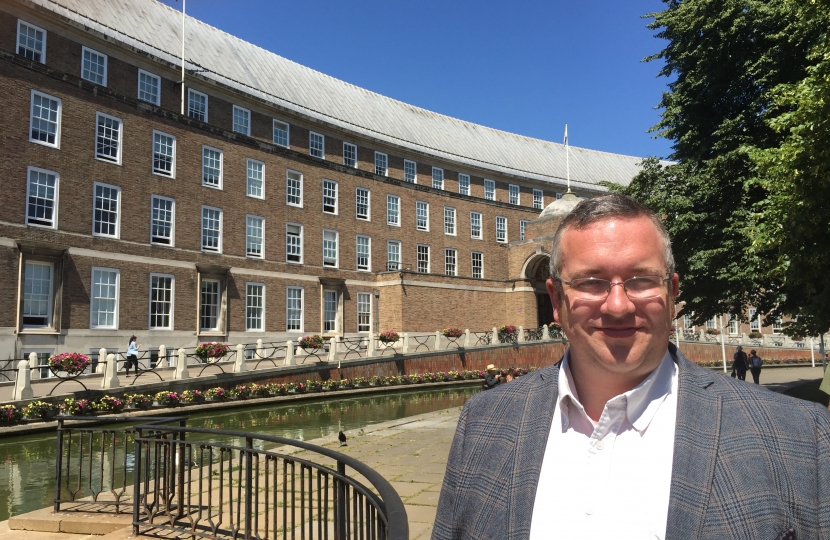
column 132, row 355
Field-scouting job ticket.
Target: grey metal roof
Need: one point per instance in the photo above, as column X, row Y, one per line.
column 155, row 28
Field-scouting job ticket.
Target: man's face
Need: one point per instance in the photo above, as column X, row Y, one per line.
column 616, row 335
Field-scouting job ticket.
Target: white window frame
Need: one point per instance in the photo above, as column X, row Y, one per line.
column 335, row 319
column 160, row 172
column 732, row 325
column 437, row 178
column 522, row 226
column 202, row 228
column 473, row 264
column 92, row 314
column 202, row 305
column 301, row 310
column 245, row 113
column 538, row 199
column 381, row 164
column 515, row 194
column 288, row 179
column 390, row 199
column 464, row 184
column 311, row 144
column 389, row 262
column 409, row 164
column 95, row 186
column 220, row 184
column 171, row 325
column 17, row 43
column 754, row 320
column 418, row 252
column 361, row 301
column 172, row 221
column 336, row 204
column 289, row 224
column 778, row 326
column 489, row 190
column 357, row 195
column 287, row 133
column 158, row 87
column 84, row 50
column 99, row 156
column 50, row 303
column 353, row 150
column 368, row 254
column 712, row 324
column 417, row 226
column 199, row 94
column 57, row 143
column 261, row 240
column 501, row 220
column 248, row 163
column 450, row 221
column 262, row 309
column 54, row 224
column 447, row 270
column 336, row 248
column 480, row 226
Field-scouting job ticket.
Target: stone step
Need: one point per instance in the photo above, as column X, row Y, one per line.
column 81, row 523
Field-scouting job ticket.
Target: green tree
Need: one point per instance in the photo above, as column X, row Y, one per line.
column 724, row 57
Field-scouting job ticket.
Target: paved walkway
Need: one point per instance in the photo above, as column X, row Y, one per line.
column 412, row 454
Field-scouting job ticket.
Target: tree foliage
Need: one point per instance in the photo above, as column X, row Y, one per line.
column 725, row 58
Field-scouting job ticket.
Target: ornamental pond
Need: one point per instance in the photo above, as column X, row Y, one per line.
column 27, row 480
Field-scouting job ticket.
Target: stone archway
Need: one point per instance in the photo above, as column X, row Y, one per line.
column 536, row 270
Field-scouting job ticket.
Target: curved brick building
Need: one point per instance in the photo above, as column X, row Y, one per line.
column 282, row 202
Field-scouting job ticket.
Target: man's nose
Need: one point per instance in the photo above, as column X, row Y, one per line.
column 618, row 301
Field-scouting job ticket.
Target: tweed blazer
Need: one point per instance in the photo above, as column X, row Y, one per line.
column 748, row 462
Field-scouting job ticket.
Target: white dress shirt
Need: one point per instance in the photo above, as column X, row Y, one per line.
column 610, row 479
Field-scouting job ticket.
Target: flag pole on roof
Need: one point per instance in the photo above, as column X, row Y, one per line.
column 184, row 2
column 567, row 158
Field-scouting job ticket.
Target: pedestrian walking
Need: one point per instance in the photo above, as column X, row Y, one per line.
column 739, row 364
column 755, row 365
column 132, row 355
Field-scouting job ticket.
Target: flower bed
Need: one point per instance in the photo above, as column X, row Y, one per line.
column 110, row 404
column 240, row 391
column 139, row 401
column 168, row 399
column 40, row 410
column 72, row 363
column 10, row 415
column 216, row 394
column 77, row 407
column 192, row 397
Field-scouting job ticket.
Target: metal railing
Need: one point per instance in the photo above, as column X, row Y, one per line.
column 177, row 479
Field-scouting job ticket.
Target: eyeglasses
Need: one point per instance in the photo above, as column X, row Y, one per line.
column 636, row 288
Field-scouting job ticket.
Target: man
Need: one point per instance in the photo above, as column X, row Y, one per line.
column 740, row 363
column 490, row 379
column 624, row 437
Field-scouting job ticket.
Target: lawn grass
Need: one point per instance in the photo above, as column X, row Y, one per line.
column 810, row 392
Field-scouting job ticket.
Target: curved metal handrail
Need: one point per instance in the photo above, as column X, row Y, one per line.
column 353, row 346
column 269, row 353
column 140, row 370
column 483, row 338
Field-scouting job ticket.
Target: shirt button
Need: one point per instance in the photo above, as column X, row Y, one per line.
column 599, row 445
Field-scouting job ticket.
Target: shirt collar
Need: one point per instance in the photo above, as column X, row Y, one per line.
column 642, row 401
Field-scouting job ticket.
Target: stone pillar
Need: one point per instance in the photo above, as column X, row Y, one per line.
column 259, row 350
column 110, row 379
column 466, row 338
column 405, row 347
column 101, row 367
column 162, row 356
column 546, row 333
column 239, row 365
column 437, row 340
column 33, row 360
column 520, row 337
column 370, row 346
column 289, row 353
column 332, row 349
column 181, row 366
column 495, row 338
column 23, row 382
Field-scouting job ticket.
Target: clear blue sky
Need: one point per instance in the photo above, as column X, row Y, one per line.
column 526, row 67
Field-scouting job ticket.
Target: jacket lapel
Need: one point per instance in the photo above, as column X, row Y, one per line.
column 531, row 441
column 695, row 449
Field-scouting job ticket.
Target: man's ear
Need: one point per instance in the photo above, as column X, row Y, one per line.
column 553, row 292
column 675, row 285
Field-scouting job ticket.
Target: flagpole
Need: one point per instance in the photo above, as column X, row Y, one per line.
column 184, row 2
column 567, row 158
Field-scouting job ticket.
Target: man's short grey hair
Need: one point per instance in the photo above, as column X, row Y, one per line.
column 608, row 206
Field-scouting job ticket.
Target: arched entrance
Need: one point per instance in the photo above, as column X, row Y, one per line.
column 537, row 271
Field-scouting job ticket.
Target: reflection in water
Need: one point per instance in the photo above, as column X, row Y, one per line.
column 27, row 479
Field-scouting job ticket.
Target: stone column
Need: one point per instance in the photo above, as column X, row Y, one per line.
column 102, row 358
column 239, row 364
column 466, row 338
column 181, row 366
column 405, row 347
column 332, row 349
column 110, row 379
column 370, row 346
column 437, row 340
column 520, row 337
column 162, row 355
column 546, row 333
column 289, row 353
column 23, row 382
column 495, row 338
column 259, row 349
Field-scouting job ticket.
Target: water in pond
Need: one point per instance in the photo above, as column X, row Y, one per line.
column 27, row 480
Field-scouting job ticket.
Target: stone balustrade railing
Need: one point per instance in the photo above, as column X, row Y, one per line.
column 765, row 340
